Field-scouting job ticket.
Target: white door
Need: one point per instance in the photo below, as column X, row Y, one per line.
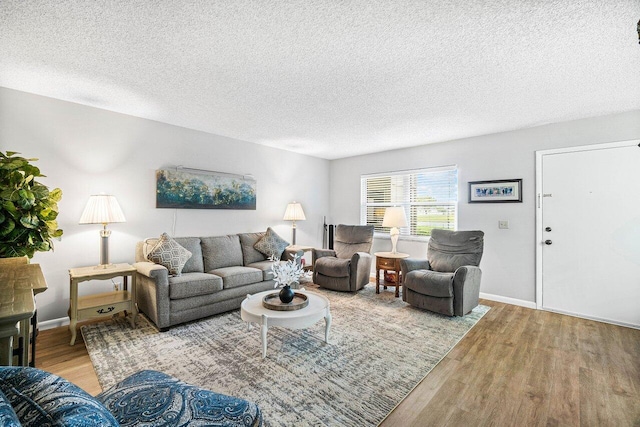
column 589, row 232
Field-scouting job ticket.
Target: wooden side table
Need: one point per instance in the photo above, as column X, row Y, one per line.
column 104, row 304
column 389, row 261
column 303, row 249
column 19, row 283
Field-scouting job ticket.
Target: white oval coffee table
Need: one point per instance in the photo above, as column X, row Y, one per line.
column 252, row 311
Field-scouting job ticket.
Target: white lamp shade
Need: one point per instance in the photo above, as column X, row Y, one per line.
column 394, row 217
column 294, row 212
column 102, row 209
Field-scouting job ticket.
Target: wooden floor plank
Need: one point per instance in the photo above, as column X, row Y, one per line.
column 516, row 367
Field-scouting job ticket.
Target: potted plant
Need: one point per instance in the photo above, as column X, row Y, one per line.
column 28, row 210
column 286, row 274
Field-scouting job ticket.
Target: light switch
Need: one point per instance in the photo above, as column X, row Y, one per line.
column 503, row 224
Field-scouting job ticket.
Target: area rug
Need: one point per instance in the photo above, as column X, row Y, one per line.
column 378, row 350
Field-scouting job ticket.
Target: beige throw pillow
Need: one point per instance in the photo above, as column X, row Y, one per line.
column 170, row 254
column 271, row 244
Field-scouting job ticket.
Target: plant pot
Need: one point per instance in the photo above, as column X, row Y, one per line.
column 286, row 294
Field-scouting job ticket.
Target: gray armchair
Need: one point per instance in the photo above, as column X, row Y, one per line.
column 448, row 281
column 348, row 267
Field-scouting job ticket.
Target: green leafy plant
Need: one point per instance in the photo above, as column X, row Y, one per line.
column 28, row 210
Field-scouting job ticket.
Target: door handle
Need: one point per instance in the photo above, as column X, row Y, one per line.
column 547, row 242
column 547, row 229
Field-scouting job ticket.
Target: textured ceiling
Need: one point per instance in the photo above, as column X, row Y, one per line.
column 328, row 78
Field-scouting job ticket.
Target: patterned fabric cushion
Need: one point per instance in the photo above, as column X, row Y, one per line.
column 151, row 398
column 43, row 399
column 169, row 253
column 8, row 417
column 271, row 244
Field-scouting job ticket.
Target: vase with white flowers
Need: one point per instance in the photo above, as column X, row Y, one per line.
column 286, row 274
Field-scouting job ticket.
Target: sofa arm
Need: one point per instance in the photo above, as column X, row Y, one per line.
column 360, row 270
column 466, row 289
column 152, row 293
column 319, row 253
column 151, row 270
column 410, row 264
column 316, row 254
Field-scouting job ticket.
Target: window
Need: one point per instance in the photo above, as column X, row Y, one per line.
column 429, row 197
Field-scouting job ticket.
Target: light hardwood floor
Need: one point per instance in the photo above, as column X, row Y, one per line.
column 516, row 367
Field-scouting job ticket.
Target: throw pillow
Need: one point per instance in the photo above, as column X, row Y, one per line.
column 271, row 244
column 148, row 246
column 170, row 254
column 40, row 398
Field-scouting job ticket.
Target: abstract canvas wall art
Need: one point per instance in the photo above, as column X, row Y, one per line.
column 193, row 189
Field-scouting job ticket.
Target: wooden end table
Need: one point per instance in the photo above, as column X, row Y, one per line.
column 104, row 304
column 303, row 249
column 389, row 261
column 19, row 283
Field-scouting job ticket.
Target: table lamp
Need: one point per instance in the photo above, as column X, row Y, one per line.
column 294, row 213
column 102, row 209
column 394, row 217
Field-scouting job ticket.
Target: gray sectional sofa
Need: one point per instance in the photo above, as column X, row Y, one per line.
column 220, row 273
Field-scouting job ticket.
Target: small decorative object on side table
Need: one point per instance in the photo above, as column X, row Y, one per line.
column 389, row 261
column 104, row 304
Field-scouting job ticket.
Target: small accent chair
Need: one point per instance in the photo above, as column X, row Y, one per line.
column 348, row 267
column 448, row 281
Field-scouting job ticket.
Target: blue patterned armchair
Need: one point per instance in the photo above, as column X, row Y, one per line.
column 31, row 397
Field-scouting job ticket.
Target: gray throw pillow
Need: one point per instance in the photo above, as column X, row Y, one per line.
column 170, row 254
column 271, row 244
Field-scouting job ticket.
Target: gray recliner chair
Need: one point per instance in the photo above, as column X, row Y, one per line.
column 448, row 281
column 348, row 267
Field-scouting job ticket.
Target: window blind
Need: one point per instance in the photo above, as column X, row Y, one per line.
column 429, row 197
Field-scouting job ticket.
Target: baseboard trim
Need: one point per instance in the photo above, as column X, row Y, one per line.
column 54, row 323
column 507, row 300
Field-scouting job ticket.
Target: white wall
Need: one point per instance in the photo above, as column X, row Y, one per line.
column 509, row 258
column 85, row 150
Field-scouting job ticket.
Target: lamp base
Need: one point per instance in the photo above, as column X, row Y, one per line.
column 394, row 233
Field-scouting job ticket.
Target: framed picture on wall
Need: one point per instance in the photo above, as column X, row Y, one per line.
column 500, row 191
column 199, row 189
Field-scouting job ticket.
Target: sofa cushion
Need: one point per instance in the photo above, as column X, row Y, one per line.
column 333, row 267
column 195, row 263
column 265, row 267
column 249, row 253
column 43, row 399
column 194, row 284
column 170, row 254
column 8, row 417
column 232, row 277
column 221, row 251
column 432, row 283
column 152, row 398
column 271, row 244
